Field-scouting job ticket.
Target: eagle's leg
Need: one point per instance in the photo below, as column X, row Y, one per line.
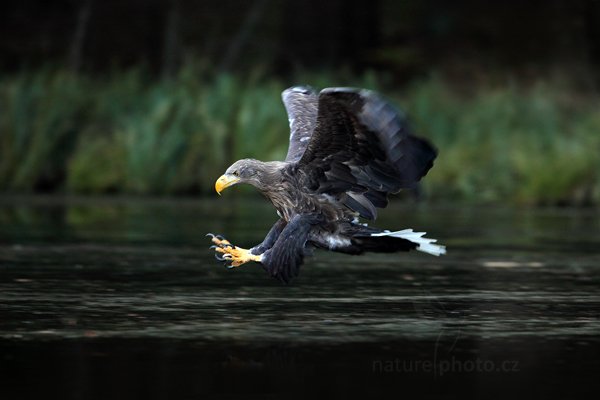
column 238, row 255
column 231, row 254
column 271, row 237
column 283, row 259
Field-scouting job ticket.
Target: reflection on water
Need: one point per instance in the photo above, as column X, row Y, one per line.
column 136, row 271
column 135, row 268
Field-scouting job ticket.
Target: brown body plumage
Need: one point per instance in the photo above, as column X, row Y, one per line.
column 348, row 150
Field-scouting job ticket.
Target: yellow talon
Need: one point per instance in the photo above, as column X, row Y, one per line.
column 233, row 255
column 237, row 255
column 219, row 242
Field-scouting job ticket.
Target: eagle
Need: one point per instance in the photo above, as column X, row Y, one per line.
column 349, row 149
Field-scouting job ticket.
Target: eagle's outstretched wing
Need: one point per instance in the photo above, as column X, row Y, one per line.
column 361, row 150
column 301, row 104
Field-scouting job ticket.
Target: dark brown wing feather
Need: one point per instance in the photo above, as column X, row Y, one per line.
column 361, row 150
column 301, row 104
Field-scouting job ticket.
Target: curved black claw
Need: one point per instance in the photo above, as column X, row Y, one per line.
column 210, row 234
column 225, row 245
column 219, row 257
column 220, row 237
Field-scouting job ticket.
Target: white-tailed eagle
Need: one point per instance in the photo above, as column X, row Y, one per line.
column 349, row 149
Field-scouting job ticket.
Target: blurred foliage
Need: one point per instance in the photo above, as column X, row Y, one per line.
column 537, row 145
column 125, row 133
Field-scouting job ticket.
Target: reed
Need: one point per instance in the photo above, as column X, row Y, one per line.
column 127, row 133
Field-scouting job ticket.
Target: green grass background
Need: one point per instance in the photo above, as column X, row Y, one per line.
column 534, row 143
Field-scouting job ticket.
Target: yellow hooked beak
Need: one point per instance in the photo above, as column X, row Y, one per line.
column 225, row 181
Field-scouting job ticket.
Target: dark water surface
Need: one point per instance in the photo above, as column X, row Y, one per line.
column 121, row 298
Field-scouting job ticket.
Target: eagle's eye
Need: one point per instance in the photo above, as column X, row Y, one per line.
column 236, row 173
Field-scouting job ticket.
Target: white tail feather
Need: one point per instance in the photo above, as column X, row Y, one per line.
column 425, row 245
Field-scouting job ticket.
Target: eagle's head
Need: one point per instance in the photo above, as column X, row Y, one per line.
column 254, row 172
